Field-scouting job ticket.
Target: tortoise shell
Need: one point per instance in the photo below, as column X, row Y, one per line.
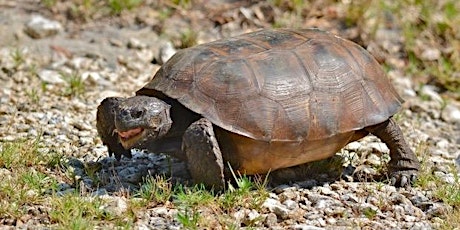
column 280, row 85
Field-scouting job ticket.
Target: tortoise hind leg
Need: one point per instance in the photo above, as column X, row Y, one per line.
column 204, row 157
column 403, row 164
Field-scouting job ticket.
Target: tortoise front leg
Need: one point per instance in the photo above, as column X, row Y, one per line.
column 403, row 164
column 106, row 127
column 204, row 157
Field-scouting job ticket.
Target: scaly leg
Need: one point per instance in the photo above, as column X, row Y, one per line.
column 204, row 157
column 404, row 165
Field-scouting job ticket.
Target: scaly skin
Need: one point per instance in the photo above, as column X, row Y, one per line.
column 403, row 165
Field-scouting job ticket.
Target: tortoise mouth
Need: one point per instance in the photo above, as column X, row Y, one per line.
column 130, row 137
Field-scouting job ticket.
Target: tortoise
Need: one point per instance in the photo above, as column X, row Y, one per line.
column 259, row 102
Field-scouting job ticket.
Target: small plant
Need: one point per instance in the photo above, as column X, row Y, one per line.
column 189, row 200
column 247, row 194
column 49, row 3
column 75, row 85
column 193, row 197
column 117, row 6
column 18, row 57
column 27, row 181
column 185, row 4
column 20, row 153
column 156, row 189
column 189, row 219
column 74, row 212
column 188, row 38
column 91, row 169
column 369, row 213
column 33, row 95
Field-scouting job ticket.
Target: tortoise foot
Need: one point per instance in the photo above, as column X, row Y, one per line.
column 204, row 158
column 403, row 172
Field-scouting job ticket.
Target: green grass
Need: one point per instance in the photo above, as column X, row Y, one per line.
column 18, row 57
column 30, row 177
column 156, row 190
column 24, row 180
column 430, row 24
column 423, row 24
column 188, row 38
column 75, row 85
column 246, row 193
column 86, row 10
column 117, row 6
column 74, row 212
column 443, row 191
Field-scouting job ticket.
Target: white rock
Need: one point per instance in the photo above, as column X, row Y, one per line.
column 135, row 43
column 380, row 147
column 431, row 54
column 162, row 211
column 275, row 207
column 409, row 218
column 115, row 205
column 451, row 113
column 239, row 215
column 290, row 204
column 40, row 27
column 354, row 146
column 91, row 76
column 270, row 202
column 431, row 92
column 306, row 227
column 442, row 144
column 31, row 193
column 281, row 211
column 50, row 76
column 166, row 52
column 253, row 215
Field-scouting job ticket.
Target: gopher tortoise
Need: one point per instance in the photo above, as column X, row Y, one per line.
column 259, row 102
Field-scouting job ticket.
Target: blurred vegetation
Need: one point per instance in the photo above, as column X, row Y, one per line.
column 429, row 29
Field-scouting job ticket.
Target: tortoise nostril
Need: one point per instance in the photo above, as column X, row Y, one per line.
column 135, row 113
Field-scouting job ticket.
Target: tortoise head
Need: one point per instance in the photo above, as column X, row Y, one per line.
column 141, row 119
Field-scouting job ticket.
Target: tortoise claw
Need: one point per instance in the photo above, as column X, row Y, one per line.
column 404, row 178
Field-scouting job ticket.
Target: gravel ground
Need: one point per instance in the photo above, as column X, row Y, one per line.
column 40, row 54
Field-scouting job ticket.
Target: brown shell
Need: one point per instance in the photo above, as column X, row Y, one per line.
column 281, row 85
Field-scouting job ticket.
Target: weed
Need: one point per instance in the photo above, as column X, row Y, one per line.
column 33, row 96
column 49, row 3
column 369, row 213
column 188, row 38
column 75, row 85
column 189, row 219
column 184, row 4
column 21, row 153
column 193, row 197
column 156, row 189
column 74, row 212
column 91, row 169
column 24, row 179
column 451, row 220
column 117, row 6
column 18, row 57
